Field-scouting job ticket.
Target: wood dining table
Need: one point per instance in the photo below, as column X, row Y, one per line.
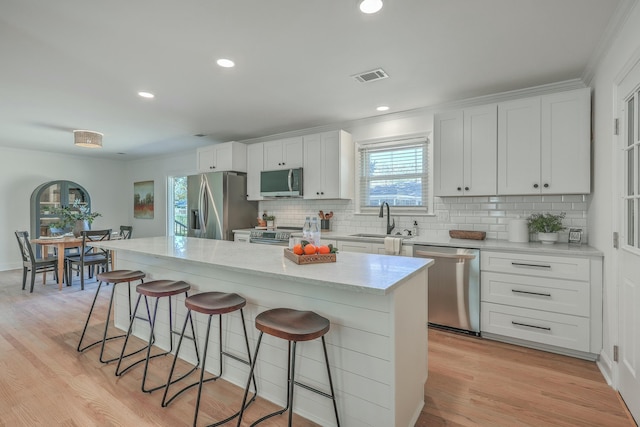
column 62, row 243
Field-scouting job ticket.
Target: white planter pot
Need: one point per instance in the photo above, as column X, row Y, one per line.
column 548, row 238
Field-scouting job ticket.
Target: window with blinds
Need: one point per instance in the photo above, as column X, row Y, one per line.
column 396, row 172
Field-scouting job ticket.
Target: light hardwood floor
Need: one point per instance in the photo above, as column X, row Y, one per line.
column 472, row 382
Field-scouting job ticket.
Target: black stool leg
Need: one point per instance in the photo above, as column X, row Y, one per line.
column 152, row 321
column 201, row 381
column 165, row 401
column 246, row 390
column 292, row 376
column 333, row 395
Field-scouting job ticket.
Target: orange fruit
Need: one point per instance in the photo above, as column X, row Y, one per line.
column 297, row 249
column 323, row 249
column 309, row 249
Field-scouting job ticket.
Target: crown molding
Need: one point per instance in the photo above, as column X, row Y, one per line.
column 615, row 25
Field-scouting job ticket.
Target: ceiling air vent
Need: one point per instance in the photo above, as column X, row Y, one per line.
column 370, row 76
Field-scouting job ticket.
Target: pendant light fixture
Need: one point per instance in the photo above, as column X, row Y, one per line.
column 370, row 6
column 87, row 138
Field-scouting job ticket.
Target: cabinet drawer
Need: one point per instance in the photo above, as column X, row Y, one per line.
column 543, row 327
column 560, row 296
column 558, row 267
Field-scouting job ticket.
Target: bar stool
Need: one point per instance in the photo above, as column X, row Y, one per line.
column 293, row 326
column 114, row 277
column 210, row 303
column 156, row 289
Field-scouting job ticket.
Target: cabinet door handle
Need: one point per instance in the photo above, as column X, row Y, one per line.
column 466, row 188
column 535, row 185
column 530, row 293
column 546, row 186
column 530, row 326
column 459, row 188
column 522, row 264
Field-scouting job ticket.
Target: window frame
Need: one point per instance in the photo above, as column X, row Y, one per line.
column 390, row 141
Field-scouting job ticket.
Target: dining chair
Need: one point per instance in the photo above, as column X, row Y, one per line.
column 31, row 263
column 89, row 256
column 126, row 231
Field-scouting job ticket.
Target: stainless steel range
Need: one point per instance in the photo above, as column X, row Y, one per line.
column 279, row 236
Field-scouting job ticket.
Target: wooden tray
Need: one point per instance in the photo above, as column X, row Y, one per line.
column 464, row 234
column 309, row 259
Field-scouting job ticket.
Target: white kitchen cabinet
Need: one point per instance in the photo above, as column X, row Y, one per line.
column 544, row 144
column 329, row 165
column 241, row 237
column 550, row 302
column 255, row 161
column 228, row 156
column 465, row 151
column 378, row 248
column 370, row 248
column 348, row 246
column 283, row 154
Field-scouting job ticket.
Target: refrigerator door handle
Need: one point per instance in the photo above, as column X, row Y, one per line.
column 203, row 206
column 210, row 200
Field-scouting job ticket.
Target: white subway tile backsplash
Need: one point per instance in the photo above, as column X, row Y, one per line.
column 489, row 214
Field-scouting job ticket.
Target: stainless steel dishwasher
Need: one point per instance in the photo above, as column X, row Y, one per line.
column 454, row 287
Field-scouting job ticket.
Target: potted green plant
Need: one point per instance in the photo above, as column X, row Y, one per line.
column 77, row 215
column 270, row 221
column 547, row 226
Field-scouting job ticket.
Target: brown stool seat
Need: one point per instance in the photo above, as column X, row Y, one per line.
column 118, row 276
column 162, row 288
column 292, row 325
column 215, row 302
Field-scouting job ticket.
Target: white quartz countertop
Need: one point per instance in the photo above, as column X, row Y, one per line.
column 491, row 244
column 357, row 272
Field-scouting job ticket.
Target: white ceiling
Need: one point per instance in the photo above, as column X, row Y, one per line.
column 78, row 64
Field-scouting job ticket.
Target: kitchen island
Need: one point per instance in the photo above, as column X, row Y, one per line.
column 376, row 304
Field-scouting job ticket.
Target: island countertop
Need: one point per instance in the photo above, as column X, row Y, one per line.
column 357, row 272
column 376, row 305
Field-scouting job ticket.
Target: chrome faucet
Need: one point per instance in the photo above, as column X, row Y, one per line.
column 381, row 215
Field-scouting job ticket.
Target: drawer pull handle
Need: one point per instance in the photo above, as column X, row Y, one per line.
column 530, row 293
column 522, row 264
column 530, row 326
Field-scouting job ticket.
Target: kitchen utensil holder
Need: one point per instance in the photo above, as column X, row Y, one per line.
column 325, row 224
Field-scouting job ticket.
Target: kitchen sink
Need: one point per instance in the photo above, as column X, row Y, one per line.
column 379, row 236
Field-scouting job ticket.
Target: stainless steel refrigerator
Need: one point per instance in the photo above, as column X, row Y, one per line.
column 217, row 204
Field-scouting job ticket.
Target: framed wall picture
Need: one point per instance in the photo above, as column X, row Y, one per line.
column 143, row 200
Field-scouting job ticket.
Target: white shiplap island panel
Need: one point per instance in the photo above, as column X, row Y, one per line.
column 377, row 306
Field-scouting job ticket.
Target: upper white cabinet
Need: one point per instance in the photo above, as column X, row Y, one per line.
column 329, row 165
column 283, row 154
column 228, row 156
column 465, row 149
column 255, row 156
column 544, row 144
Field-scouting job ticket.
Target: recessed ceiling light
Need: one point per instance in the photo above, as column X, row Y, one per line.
column 146, row 95
column 382, row 108
column 226, row 63
column 370, row 6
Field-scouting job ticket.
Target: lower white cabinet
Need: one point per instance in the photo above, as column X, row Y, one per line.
column 551, row 302
column 370, row 248
column 241, row 237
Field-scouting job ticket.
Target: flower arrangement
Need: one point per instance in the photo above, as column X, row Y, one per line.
column 546, row 222
column 69, row 215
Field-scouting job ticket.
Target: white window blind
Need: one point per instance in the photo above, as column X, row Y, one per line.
column 395, row 172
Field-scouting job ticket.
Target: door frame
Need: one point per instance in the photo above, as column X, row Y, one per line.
column 620, row 91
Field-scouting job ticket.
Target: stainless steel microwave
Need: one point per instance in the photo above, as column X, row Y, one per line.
column 281, row 183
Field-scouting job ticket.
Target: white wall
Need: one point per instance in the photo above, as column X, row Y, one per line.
column 21, row 171
column 601, row 211
column 156, row 169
